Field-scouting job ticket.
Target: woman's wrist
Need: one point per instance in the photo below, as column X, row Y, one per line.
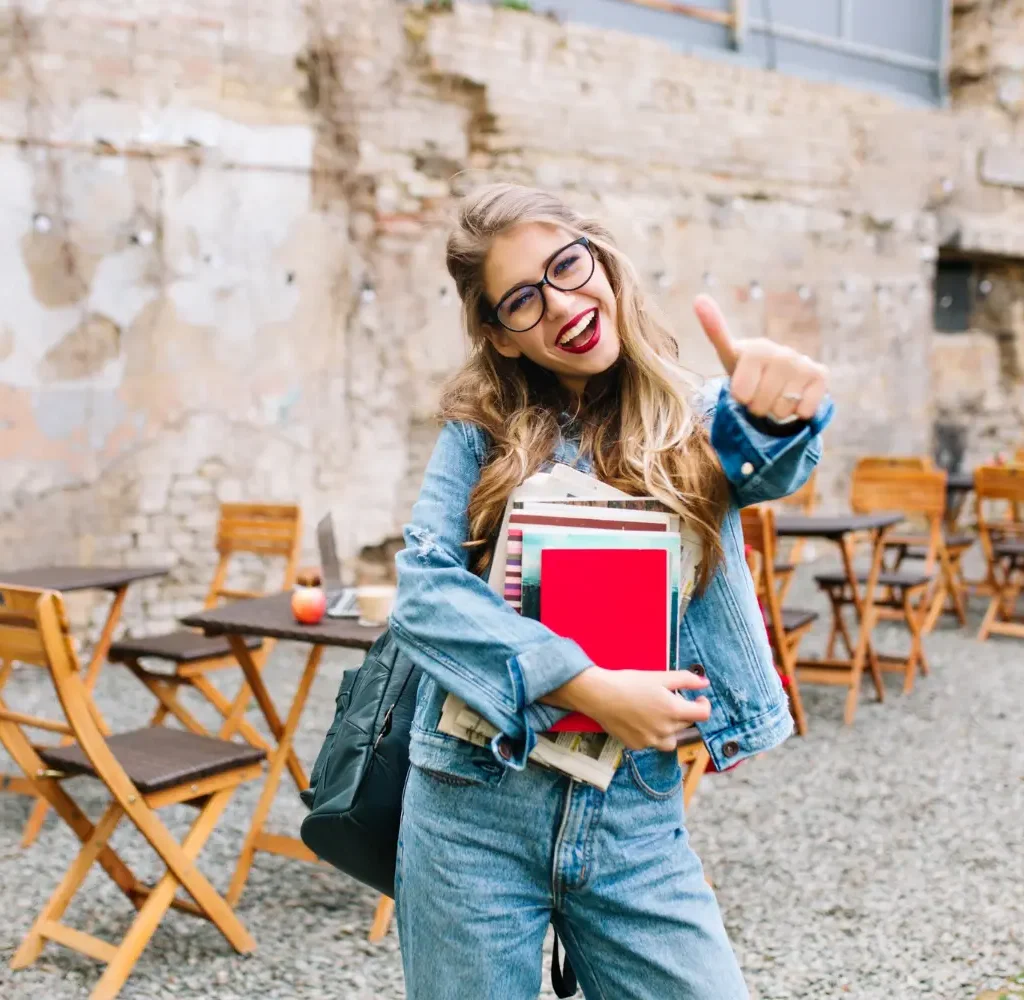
column 580, row 694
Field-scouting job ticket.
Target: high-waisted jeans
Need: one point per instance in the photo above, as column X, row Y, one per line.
column 484, row 865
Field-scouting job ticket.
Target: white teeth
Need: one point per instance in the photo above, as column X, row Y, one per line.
column 576, row 329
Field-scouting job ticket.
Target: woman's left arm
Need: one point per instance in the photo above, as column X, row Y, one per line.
column 766, row 421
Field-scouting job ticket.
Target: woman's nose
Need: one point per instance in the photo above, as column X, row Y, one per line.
column 559, row 304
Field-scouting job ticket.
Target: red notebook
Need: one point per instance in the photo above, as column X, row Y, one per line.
column 614, row 603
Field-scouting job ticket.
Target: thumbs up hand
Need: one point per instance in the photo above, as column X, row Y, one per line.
column 769, row 379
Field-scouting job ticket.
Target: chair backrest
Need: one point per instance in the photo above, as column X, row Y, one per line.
column 265, row 530
column 906, row 489
column 1002, row 485
column 34, row 630
column 895, row 462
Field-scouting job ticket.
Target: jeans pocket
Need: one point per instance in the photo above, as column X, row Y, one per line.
column 655, row 773
column 443, row 778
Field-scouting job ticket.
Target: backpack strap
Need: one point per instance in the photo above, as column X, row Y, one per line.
column 563, row 976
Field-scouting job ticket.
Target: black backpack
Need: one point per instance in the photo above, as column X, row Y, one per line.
column 356, row 785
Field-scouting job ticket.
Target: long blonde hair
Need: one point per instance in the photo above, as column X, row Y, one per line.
column 636, row 422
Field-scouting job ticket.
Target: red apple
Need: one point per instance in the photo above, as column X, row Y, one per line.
column 309, row 604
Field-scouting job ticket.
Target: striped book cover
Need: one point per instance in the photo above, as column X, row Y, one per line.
column 514, row 569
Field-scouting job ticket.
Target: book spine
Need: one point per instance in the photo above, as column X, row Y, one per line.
column 514, row 569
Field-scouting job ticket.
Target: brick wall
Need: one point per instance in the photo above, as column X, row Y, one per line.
column 222, row 255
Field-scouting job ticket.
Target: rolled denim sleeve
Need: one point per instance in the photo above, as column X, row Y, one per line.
column 762, row 460
column 452, row 625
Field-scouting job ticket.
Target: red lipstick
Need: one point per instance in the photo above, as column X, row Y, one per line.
column 591, row 342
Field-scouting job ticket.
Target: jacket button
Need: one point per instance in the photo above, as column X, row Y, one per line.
column 696, row 668
column 730, row 749
column 746, row 468
column 505, row 749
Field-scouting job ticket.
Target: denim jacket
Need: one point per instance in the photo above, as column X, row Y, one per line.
column 470, row 642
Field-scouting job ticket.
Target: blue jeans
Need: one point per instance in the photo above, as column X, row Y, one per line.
column 485, row 864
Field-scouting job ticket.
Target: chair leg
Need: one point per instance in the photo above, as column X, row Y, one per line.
column 694, row 773
column 159, row 901
column 33, row 943
column 382, row 919
column 796, row 702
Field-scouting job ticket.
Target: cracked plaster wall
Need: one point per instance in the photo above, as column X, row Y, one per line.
column 222, row 257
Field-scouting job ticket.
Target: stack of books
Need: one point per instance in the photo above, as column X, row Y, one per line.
column 610, row 571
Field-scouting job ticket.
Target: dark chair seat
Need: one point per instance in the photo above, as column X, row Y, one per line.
column 783, row 568
column 179, row 647
column 1008, row 548
column 918, row 547
column 794, row 618
column 157, row 758
column 887, row 578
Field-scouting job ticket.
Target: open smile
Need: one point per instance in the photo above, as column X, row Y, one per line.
column 581, row 333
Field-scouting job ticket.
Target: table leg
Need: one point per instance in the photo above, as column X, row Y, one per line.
column 865, row 605
column 234, row 711
column 251, row 669
column 878, row 553
column 277, row 761
column 92, row 673
column 10, row 782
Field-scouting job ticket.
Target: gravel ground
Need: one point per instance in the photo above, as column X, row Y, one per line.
column 878, row 861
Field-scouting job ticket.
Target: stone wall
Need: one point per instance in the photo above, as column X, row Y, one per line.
column 222, row 256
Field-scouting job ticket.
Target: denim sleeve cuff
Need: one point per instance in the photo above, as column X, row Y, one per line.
column 534, row 674
column 745, row 443
column 542, row 668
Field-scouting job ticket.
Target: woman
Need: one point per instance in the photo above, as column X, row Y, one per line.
column 568, row 364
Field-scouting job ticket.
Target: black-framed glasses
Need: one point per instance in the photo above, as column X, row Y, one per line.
column 522, row 308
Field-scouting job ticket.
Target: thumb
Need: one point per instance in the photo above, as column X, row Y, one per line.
column 715, row 329
column 682, row 680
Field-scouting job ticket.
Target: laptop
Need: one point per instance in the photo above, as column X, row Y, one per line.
column 341, row 601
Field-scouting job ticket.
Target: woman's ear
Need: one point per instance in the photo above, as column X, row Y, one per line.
column 501, row 341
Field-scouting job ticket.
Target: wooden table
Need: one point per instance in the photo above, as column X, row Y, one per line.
column 65, row 579
column 271, row 617
column 843, row 530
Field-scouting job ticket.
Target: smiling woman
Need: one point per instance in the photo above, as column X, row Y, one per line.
column 568, row 364
column 563, row 313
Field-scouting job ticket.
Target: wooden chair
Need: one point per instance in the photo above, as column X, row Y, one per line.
column 789, row 555
column 786, row 626
column 904, row 595
column 1002, row 541
column 264, row 530
column 951, row 592
column 142, row 770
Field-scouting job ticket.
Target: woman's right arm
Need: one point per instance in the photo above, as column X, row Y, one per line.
column 453, row 626
column 514, row 671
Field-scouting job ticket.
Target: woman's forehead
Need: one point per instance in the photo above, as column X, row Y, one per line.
column 519, row 255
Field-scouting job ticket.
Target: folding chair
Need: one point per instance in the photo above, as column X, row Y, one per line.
column 804, row 501
column 1002, row 541
column 265, row 530
column 142, row 770
column 905, row 595
column 951, row 592
column 786, row 626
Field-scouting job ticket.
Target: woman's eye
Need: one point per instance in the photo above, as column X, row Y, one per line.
column 518, row 302
column 565, row 264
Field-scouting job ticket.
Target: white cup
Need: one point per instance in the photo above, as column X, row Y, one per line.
column 375, row 603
